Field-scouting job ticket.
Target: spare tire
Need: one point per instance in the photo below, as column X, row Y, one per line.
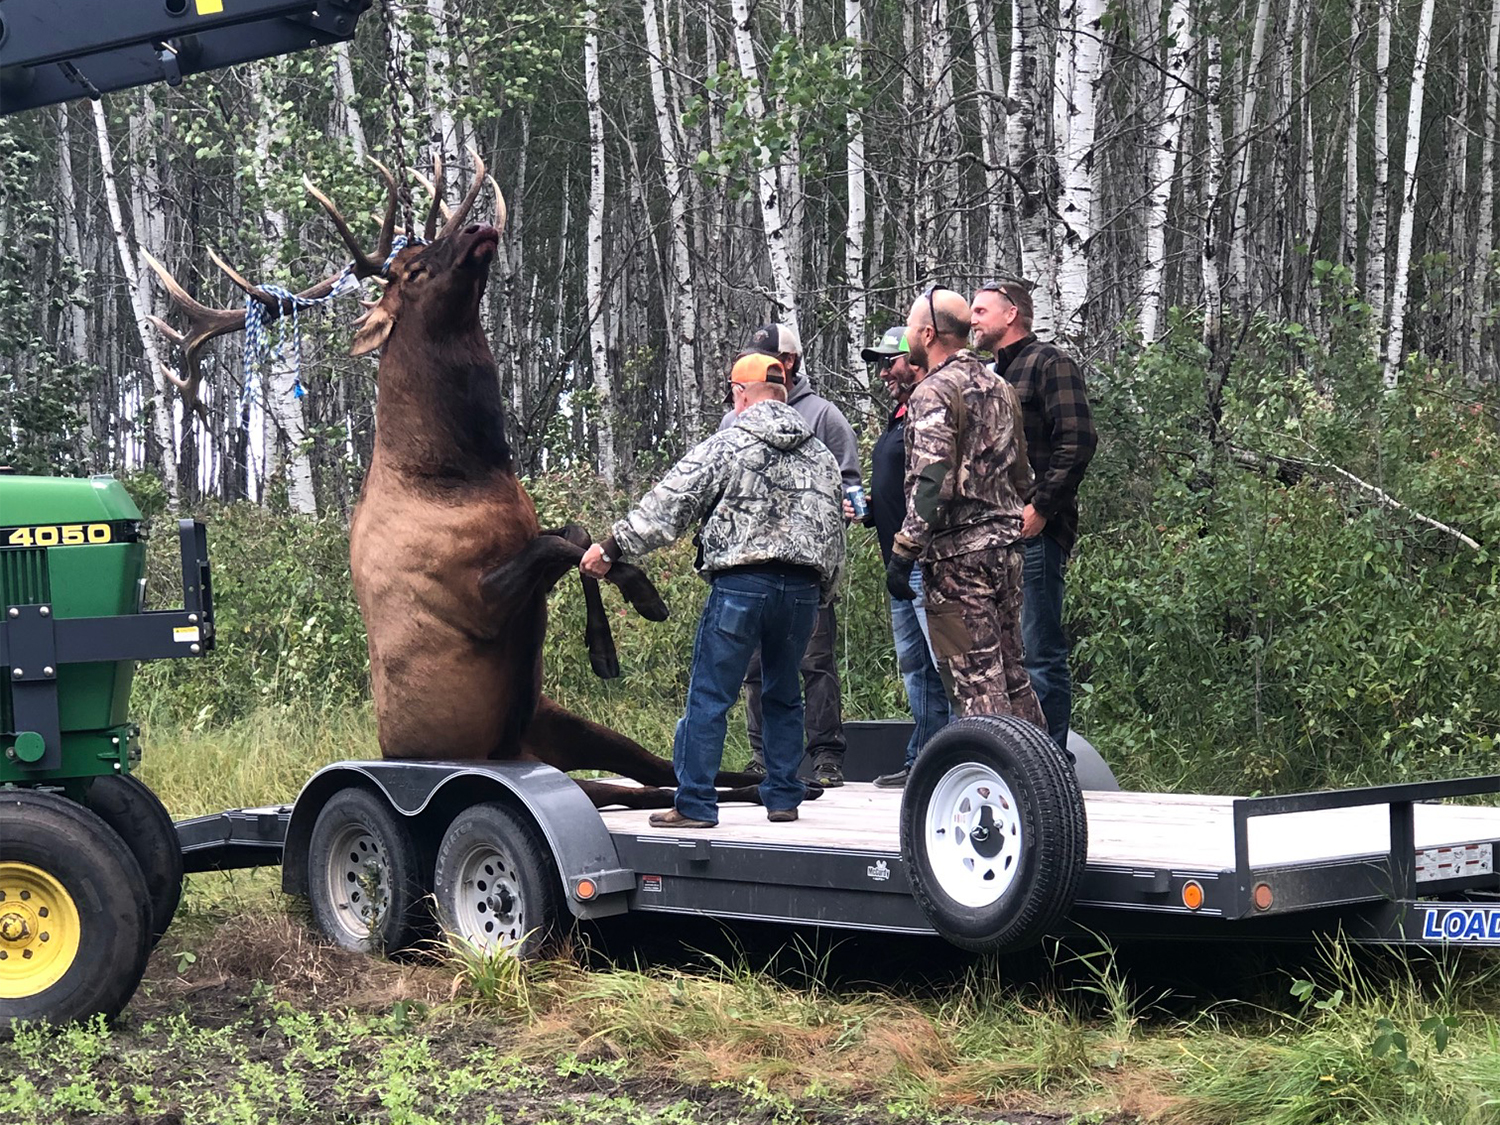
column 994, row 833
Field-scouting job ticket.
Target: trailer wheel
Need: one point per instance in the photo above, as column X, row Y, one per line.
column 994, row 833
column 125, row 804
column 364, row 874
column 75, row 922
column 496, row 883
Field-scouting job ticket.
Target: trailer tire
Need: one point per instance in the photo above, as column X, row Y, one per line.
column 75, row 921
column 994, row 833
column 496, row 883
column 125, row 804
column 364, row 874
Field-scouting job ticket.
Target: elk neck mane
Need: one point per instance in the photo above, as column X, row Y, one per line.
column 439, row 413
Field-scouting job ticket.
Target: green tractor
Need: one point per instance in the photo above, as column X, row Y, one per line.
column 90, row 865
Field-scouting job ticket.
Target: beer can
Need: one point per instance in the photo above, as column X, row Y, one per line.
column 855, row 494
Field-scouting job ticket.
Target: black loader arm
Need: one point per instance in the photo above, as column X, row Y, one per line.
column 55, row 50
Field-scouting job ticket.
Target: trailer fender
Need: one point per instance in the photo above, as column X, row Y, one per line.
column 431, row 794
column 1092, row 770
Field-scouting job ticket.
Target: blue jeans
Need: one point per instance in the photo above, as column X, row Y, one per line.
column 746, row 611
column 1042, row 633
column 924, row 687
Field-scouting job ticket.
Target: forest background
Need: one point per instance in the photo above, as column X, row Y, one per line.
column 1266, row 227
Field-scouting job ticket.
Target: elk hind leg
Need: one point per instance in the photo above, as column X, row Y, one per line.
column 567, row 742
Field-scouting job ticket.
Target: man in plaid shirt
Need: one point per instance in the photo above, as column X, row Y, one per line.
column 1060, row 440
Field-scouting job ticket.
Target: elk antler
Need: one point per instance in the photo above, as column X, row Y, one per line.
column 454, row 219
column 205, row 323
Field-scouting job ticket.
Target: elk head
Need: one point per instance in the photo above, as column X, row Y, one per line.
column 434, row 289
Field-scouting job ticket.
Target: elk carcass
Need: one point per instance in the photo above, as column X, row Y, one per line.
column 450, row 566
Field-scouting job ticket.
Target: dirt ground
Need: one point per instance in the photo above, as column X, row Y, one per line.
column 261, row 1022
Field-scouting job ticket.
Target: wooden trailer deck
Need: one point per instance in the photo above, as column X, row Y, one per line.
column 1180, row 831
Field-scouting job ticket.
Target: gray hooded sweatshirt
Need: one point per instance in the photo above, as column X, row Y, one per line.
column 827, row 423
column 765, row 490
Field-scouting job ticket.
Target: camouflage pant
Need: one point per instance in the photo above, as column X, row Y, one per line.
column 974, row 612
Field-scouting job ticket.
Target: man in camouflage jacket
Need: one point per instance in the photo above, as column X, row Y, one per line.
column 966, row 479
column 1060, row 441
column 766, row 496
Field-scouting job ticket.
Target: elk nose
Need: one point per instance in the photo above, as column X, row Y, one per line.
column 472, row 228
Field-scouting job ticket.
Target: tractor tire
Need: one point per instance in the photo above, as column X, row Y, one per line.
column 75, row 917
column 365, row 878
column 994, row 833
column 496, row 883
column 137, row 814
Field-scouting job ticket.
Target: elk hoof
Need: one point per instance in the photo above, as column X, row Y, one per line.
column 605, row 664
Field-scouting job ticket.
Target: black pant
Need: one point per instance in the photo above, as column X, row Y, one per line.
column 822, row 698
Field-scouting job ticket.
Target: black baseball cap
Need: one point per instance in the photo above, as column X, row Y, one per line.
column 775, row 339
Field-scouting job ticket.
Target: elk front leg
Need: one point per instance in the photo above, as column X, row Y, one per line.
column 597, row 636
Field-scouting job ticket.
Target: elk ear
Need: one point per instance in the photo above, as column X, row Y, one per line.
column 371, row 329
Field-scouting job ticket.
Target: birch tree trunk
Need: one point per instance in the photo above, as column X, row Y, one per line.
column 854, row 226
column 1213, row 190
column 440, row 97
column 1484, row 229
column 1394, row 355
column 771, row 211
column 683, row 298
column 286, row 435
column 1375, row 259
column 155, row 375
column 1165, row 160
column 598, row 325
column 1239, row 273
column 1027, row 163
column 348, row 101
column 1079, row 57
column 992, row 124
column 1349, row 229
column 67, row 191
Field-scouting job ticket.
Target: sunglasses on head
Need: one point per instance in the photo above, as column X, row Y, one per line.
column 1005, row 286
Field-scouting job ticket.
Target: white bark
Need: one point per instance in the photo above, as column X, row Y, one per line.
column 1213, row 190
column 1239, row 272
column 1165, row 160
column 347, row 99
column 155, row 375
column 286, row 434
column 1379, row 220
column 771, row 210
column 1484, row 233
column 1349, row 228
column 1409, row 184
column 598, row 325
column 1079, row 59
column 444, row 137
column 854, row 226
column 992, row 124
column 1026, row 160
column 683, row 297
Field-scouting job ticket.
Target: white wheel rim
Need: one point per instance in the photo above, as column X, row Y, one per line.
column 489, row 910
column 973, row 835
column 359, row 882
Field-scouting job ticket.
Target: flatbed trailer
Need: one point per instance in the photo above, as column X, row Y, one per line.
column 1385, row 864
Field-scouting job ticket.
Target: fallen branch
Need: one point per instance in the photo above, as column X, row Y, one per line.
column 1293, row 469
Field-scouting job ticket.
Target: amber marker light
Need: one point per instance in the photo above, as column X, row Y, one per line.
column 1192, row 894
column 1263, row 897
column 585, row 889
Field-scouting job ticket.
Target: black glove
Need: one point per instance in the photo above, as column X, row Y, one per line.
column 898, row 577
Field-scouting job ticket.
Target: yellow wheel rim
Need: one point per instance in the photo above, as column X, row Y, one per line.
column 39, row 931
